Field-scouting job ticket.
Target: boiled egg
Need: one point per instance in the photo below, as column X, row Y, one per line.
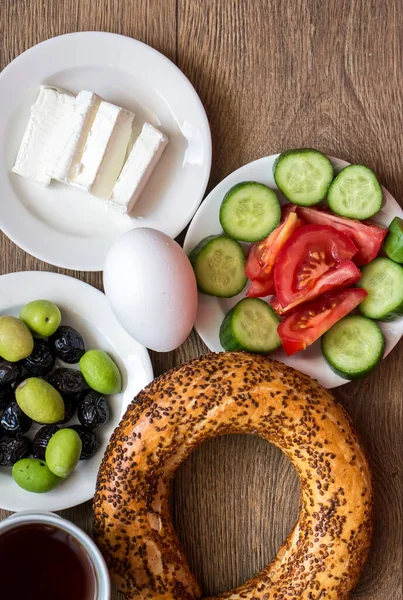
column 151, row 288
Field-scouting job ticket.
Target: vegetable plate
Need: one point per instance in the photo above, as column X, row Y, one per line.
column 300, row 255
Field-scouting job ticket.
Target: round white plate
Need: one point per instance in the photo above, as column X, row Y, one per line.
column 211, row 311
column 65, row 226
column 87, row 310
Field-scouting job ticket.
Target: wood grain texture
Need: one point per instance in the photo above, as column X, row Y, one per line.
column 272, row 74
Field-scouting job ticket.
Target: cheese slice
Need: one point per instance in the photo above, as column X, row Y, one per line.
column 141, row 162
column 105, row 150
column 34, row 159
column 72, row 135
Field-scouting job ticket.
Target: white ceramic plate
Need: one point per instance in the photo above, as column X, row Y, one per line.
column 211, row 311
column 67, row 227
column 87, row 310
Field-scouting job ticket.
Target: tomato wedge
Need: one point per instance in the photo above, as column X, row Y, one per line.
column 260, row 289
column 253, row 268
column 263, row 255
column 344, row 274
column 276, row 306
column 366, row 236
column 307, row 264
column 302, row 328
column 269, row 249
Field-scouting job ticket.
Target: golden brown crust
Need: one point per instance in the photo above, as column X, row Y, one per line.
column 235, row 393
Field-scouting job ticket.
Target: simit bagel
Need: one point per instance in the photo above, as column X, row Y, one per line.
column 235, row 393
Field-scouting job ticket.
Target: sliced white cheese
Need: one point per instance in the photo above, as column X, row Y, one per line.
column 72, row 135
column 35, row 158
column 105, row 150
column 141, row 162
column 115, row 155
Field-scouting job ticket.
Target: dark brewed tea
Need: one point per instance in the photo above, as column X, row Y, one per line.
column 42, row 562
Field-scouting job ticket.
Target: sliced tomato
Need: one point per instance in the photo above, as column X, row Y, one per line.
column 269, row 249
column 260, row 289
column 302, row 328
column 262, row 255
column 306, row 264
column 276, row 306
column 253, row 268
column 366, row 236
column 345, row 274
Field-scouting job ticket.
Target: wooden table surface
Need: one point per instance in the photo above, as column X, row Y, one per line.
column 272, row 75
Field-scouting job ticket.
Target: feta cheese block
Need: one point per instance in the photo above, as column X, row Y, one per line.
column 105, row 150
column 141, row 162
column 72, row 135
column 35, row 159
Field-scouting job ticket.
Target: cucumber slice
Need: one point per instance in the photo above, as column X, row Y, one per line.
column 303, row 175
column 251, row 325
column 355, row 193
column 250, row 211
column 353, row 346
column 394, row 241
column 219, row 266
column 383, row 280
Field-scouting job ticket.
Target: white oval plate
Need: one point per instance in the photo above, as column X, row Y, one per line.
column 211, row 311
column 86, row 309
column 65, row 226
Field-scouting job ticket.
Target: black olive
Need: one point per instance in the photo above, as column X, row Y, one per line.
column 70, row 405
column 6, row 396
column 68, row 382
column 41, row 360
column 68, row 344
column 92, row 409
column 13, row 449
column 13, row 421
column 9, row 372
column 89, row 441
column 41, row 440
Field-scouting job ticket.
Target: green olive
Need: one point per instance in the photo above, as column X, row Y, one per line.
column 63, row 452
column 33, row 475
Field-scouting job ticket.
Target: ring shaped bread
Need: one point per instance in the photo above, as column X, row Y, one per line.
column 235, row 393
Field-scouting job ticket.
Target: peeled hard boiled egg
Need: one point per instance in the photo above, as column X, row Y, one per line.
column 151, row 288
